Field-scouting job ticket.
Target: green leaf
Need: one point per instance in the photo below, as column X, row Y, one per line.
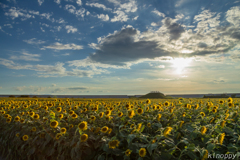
column 165, row 155
column 110, row 158
column 130, row 138
column 151, row 147
column 210, row 147
column 232, row 149
column 31, row 151
column 142, row 128
column 191, row 146
column 73, row 153
column 192, row 155
column 101, row 157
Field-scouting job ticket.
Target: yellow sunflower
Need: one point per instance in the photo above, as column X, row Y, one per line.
column 63, row 130
column 203, row 114
column 74, row 115
column 84, row 137
column 142, row 152
column 108, row 113
column 59, row 109
column 101, row 114
column 203, row 130
column 36, row 116
column 104, row 129
column 221, row 138
column 167, row 131
column 128, row 152
column 34, row 129
column 148, row 101
column 9, row 120
column 110, row 130
column 120, row 114
column 60, row 116
column 82, row 126
column 131, row 114
column 140, row 111
column 25, row 137
column 54, row 124
column 58, row 135
column 166, row 103
column 113, row 144
column 17, row 118
column 93, row 118
column 149, row 125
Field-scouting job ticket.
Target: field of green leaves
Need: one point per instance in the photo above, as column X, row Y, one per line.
column 116, row 129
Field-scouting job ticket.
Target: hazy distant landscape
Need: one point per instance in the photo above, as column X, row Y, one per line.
column 125, row 96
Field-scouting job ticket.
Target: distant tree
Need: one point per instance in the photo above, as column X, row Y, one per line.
column 34, row 97
column 11, row 96
column 24, row 96
column 233, row 95
column 49, row 97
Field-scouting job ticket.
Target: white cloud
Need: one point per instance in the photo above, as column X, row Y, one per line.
column 121, row 16
column 70, row 29
column 57, row 1
column 10, row 64
column 34, row 41
column 34, row 12
column 66, row 54
column 26, row 57
column 70, row 8
column 179, row 16
column 98, row 5
column 54, row 85
column 180, row 3
column 47, row 16
column 93, row 46
column 79, row 2
column 9, row 25
column 135, row 18
column 123, row 10
column 154, row 24
column 3, row 5
column 60, row 21
column 58, row 28
column 57, row 70
column 161, row 66
column 92, row 64
column 40, row 2
column 116, row 2
column 233, row 15
column 165, row 79
column 34, row 89
column 73, row 10
column 59, row 46
column 42, row 29
column 103, row 17
column 0, row 87
column 131, row 6
column 206, row 19
column 15, row 13
column 158, row 13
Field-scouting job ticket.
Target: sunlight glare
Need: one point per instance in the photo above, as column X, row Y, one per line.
column 180, row 64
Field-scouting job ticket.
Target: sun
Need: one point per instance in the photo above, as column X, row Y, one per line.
column 180, row 64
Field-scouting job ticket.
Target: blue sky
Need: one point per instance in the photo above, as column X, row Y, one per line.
column 119, row 46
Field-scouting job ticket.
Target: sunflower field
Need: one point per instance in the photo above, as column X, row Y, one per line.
column 116, row 129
